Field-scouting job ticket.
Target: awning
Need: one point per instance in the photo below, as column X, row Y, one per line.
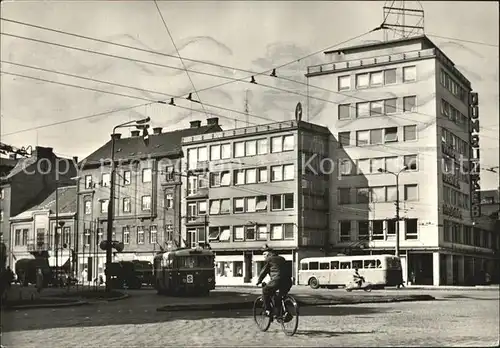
column 62, row 261
column 351, row 245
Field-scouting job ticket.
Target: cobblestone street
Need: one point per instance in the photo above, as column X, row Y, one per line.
column 456, row 318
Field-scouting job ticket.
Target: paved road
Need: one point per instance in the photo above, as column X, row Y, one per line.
column 469, row 318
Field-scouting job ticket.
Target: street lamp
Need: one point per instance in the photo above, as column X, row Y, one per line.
column 380, row 170
column 139, row 124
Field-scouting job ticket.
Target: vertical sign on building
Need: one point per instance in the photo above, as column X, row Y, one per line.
column 474, row 156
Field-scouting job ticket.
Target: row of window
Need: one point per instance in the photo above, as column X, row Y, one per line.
column 377, row 194
column 467, row 235
column 372, row 165
column 248, row 233
column 452, row 86
column 126, row 176
column 355, row 264
column 141, row 232
column 455, row 197
column 126, row 204
column 376, row 78
column 245, row 148
column 253, row 175
column 454, row 115
column 375, row 229
column 378, row 136
column 241, row 205
column 451, row 167
column 21, row 237
column 376, row 108
column 453, row 141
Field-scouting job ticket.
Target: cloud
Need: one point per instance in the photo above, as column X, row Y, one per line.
column 460, row 47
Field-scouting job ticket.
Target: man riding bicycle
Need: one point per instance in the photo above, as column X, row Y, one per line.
column 279, row 273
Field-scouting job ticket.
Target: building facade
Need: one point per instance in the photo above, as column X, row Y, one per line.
column 30, row 182
column 252, row 186
column 395, row 105
column 34, row 230
column 147, row 196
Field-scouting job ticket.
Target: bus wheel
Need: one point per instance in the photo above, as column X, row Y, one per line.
column 314, row 283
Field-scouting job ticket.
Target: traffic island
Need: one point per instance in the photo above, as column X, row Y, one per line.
column 97, row 295
column 41, row 303
column 245, row 301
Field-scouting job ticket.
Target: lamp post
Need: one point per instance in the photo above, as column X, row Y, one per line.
column 139, row 124
column 380, row 170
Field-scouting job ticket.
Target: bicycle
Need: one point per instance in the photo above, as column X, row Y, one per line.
column 283, row 313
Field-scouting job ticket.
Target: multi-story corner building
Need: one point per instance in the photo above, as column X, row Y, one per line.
column 404, row 103
column 28, row 183
column 34, row 231
column 252, row 186
column 147, row 195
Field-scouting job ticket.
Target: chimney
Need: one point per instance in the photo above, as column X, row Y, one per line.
column 195, row 124
column 13, row 156
column 214, row 121
column 135, row 133
column 116, row 136
column 75, row 159
column 46, row 152
column 157, row 130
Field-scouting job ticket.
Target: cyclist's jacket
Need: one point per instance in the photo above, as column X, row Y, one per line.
column 277, row 269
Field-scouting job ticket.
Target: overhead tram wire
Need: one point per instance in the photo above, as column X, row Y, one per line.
column 182, row 61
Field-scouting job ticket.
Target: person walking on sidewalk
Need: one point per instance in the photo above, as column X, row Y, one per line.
column 39, row 280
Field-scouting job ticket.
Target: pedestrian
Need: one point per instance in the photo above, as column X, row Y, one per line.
column 39, row 280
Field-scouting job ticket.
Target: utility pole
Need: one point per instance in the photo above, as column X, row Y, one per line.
column 205, row 228
column 56, row 236
column 397, row 215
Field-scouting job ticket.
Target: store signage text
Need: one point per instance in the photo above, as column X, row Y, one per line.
column 474, row 156
column 452, row 211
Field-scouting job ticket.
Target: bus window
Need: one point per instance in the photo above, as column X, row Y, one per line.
column 334, row 265
column 304, row 266
column 369, row 264
column 379, row 264
column 357, row 264
column 324, row 265
column 313, row 265
column 345, row 265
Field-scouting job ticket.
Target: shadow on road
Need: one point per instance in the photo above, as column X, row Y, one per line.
column 322, row 333
column 105, row 315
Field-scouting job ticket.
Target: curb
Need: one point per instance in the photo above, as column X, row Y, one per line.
column 302, row 303
column 118, row 298
column 48, row 305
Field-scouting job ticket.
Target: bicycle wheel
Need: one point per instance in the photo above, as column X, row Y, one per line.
column 259, row 316
column 290, row 319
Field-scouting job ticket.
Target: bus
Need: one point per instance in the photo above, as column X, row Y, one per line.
column 335, row 271
column 184, row 271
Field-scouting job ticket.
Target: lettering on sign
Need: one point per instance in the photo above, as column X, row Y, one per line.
column 448, row 150
column 474, row 157
column 452, row 211
column 452, row 180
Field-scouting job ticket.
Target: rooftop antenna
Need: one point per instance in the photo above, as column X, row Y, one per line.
column 403, row 19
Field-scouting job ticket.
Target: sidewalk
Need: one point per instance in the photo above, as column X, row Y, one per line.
column 407, row 287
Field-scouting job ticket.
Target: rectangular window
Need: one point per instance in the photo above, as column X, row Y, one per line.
column 391, row 226
column 390, row 106
column 376, row 136
column 344, row 195
column 192, row 211
column 364, row 166
column 411, row 192
column 262, row 174
column 251, row 148
column 363, row 230
column 146, row 175
column 276, row 144
column 362, row 138
column 410, row 104
column 345, row 138
column 239, row 149
column 288, row 142
column 88, row 181
column 409, row 73
column 169, row 201
column 362, row 109
column 127, row 177
column 170, row 173
column 391, row 134
column 378, row 229
column 105, row 180
column 215, row 152
column 376, row 78
column 276, row 173
column 288, row 202
column 262, row 232
column 239, row 177
column 276, row 202
column 261, row 146
column 362, row 80
column 88, row 207
column 250, row 203
column 377, row 194
column 104, row 205
column 146, row 203
column 376, row 108
column 239, row 205
column 410, row 162
column 377, row 163
column 391, row 193
column 345, row 231
column 86, row 237
column 126, row 235
column 288, row 172
column 390, row 76
column 344, row 111
column 225, row 178
column 140, row 235
column 202, row 208
column 288, row 231
column 411, row 228
column 126, row 205
column 225, row 151
column 362, row 195
column 250, row 233
column 410, row 133
column 261, row 203
column 238, row 233
column 344, row 83
column 153, row 235
column 276, row 232
column 250, row 176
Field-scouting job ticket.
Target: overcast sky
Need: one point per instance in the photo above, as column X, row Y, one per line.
column 247, row 35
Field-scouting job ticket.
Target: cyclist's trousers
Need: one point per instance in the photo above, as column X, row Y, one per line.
column 270, row 289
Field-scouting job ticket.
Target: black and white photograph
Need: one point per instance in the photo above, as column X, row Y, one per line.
column 249, row 173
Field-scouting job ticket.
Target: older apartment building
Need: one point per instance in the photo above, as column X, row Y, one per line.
column 147, row 195
column 34, row 230
column 252, row 186
column 29, row 182
column 403, row 103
